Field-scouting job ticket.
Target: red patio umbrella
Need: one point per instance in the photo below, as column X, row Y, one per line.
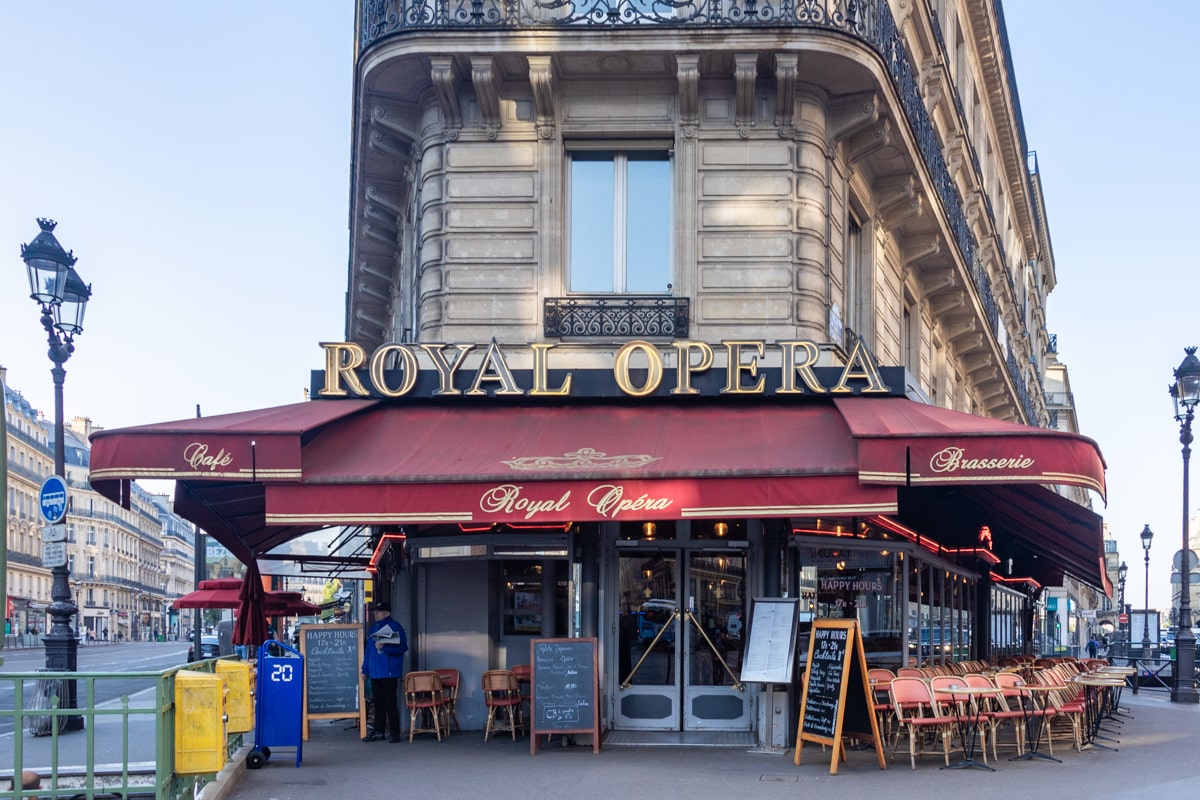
column 288, row 604
column 278, row 603
column 251, row 625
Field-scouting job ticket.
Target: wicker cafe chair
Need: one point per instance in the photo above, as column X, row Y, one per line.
column 881, row 681
column 450, row 678
column 1019, row 707
column 502, row 696
column 426, row 701
column 1068, row 705
column 916, row 716
column 956, row 711
column 994, row 712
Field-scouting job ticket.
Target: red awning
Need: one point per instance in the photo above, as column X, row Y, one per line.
column 912, row 444
column 1045, row 535
column 258, row 479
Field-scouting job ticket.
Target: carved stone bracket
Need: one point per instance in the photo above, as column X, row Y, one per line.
column 745, row 73
column 483, row 77
column 957, row 156
column 900, row 210
column 851, row 114
column 933, row 84
column 916, row 248
column 945, row 302
column 868, row 141
column 687, row 73
column 390, row 197
column 787, row 70
column 381, row 233
column 445, row 85
column 390, row 132
column 541, row 80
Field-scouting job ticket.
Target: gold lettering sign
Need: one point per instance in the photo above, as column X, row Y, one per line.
column 798, row 370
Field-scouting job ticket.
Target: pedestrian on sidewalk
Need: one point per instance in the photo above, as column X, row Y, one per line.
column 383, row 663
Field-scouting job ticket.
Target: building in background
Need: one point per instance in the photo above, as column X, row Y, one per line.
column 126, row 564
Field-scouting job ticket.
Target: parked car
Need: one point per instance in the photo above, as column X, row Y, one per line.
column 210, row 647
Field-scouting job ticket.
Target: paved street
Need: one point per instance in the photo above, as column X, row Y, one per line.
column 1156, row 759
column 106, row 734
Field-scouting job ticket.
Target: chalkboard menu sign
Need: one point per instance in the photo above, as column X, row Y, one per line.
column 564, row 690
column 837, row 701
column 333, row 687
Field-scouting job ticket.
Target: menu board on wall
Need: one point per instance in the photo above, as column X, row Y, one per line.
column 771, row 642
column 333, row 685
column 837, row 701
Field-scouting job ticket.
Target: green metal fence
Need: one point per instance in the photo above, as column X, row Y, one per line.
column 123, row 747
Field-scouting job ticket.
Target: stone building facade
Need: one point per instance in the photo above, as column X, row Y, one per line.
column 829, row 170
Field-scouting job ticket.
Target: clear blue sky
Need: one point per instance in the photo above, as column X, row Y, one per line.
column 196, row 156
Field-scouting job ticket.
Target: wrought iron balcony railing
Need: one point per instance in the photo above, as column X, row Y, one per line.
column 622, row 317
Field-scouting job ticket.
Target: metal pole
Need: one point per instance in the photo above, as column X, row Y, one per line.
column 60, row 642
column 199, row 562
column 1146, row 611
column 1184, row 690
column 1121, row 610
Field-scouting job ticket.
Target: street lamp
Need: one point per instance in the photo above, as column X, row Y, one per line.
column 1122, row 572
column 1186, row 392
column 1147, row 536
column 63, row 297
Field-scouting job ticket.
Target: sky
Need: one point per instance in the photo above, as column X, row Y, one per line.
column 197, row 158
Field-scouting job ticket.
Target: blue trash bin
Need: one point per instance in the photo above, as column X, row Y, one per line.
column 279, row 714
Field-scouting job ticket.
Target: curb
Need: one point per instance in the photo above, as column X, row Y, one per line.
column 228, row 777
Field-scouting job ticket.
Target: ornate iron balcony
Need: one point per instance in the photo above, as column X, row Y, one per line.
column 622, row 316
column 382, row 18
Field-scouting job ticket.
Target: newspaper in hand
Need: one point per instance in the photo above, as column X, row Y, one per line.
column 386, row 635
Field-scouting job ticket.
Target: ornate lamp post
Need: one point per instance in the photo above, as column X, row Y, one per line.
column 1147, row 536
column 1122, row 573
column 63, row 297
column 1186, row 392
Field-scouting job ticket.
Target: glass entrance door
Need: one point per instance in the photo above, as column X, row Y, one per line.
column 680, row 640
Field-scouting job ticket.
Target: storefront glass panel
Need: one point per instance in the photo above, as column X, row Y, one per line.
column 680, row 638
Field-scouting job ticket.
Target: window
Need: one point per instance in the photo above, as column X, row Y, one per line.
column 854, row 280
column 620, row 222
column 522, row 599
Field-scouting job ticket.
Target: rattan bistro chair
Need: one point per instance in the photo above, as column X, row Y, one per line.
column 426, row 701
column 502, row 696
column 450, row 678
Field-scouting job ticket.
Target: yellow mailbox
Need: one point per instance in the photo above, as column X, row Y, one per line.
column 239, row 679
column 200, row 717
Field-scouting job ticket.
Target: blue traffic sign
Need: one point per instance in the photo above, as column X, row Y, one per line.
column 53, row 499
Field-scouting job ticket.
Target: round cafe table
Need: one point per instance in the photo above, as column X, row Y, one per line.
column 1034, row 714
column 968, row 723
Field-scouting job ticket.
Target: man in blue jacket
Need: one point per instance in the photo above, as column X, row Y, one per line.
column 383, row 663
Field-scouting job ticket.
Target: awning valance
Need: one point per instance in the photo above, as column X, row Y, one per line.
column 257, row 479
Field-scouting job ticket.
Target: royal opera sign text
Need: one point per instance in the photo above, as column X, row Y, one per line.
column 638, row 369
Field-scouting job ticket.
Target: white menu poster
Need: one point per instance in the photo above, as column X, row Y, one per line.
column 771, row 646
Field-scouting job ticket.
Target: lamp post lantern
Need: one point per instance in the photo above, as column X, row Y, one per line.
column 63, row 297
column 1186, row 392
column 1147, row 537
column 1122, row 573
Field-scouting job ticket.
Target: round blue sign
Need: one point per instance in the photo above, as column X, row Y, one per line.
column 53, row 500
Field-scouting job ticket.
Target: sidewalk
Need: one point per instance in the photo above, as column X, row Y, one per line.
column 1156, row 758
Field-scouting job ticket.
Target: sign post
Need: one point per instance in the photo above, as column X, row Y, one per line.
column 52, row 500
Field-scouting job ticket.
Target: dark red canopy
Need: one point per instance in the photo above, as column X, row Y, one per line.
column 258, row 479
